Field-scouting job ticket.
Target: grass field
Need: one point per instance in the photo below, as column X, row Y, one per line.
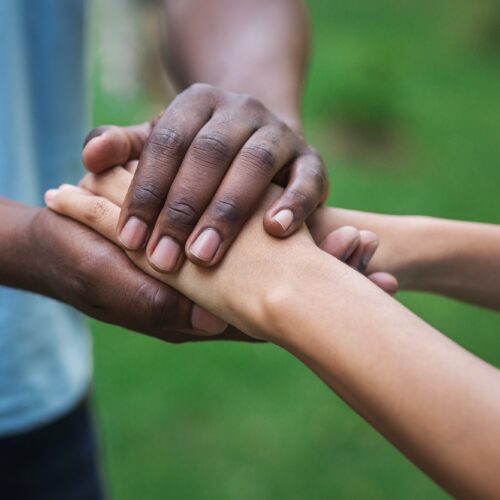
column 403, row 102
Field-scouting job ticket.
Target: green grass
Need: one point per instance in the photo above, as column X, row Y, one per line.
column 249, row 422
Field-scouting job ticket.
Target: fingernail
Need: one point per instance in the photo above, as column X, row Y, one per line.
column 284, row 218
column 166, row 254
column 94, row 140
column 368, row 253
column 133, row 233
column 206, row 245
column 205, row 321
column 50, row 195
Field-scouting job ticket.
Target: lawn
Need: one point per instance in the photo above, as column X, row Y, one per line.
column 402, row 100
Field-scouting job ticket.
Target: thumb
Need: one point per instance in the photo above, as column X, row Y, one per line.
column 108, row 146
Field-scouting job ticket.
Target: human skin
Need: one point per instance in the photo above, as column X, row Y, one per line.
column 77, row 266
column 207, row 160
column 24, row 261
column 45, row 253
column 436, row 402
column 458, row 259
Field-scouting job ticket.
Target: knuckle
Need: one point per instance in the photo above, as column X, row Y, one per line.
column 227, row 210
column 277, row 134
column 211, row 149
column 145, row 194
column 314, row 172
column 260, row 157
column 304, row 203
column 319, row 174
column 96, row 212
column 199, row 88
column 166, row 141
column 181, row 214
column 250, row 103
column 158, row 304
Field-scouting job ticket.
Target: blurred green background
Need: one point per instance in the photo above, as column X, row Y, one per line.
column 403, row 102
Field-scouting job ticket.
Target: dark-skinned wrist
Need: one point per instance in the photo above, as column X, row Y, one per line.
column 18, row 266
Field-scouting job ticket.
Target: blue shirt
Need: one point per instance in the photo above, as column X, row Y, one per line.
column 45, row 348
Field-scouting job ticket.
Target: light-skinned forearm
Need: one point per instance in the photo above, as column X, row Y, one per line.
column 432, row 399
column 256, row 47
column 453, row 258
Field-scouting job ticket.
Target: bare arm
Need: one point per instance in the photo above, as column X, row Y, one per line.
column 45, row 253
column 433, row 400
column 206, row 162
column 255, row 47
column 16, row 263
column 453, row 258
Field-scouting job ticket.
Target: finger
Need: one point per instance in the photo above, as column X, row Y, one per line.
column 205, row 322
column 101, row 215
column 251, row 172
column 306, row 189
column 95, row 212
column 368, row 244
column 131, row 166
column 146, row 305
column 207, row 160
column 341, row 243
column 108, row 146
column 111, row 184
column 160, row 160
column 385, row 281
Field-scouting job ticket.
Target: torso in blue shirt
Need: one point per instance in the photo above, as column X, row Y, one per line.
column 45, row 351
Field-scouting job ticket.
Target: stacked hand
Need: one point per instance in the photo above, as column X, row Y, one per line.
column 203, row 167
column 101, row 213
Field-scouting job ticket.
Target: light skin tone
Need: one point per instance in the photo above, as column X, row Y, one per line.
column 458, row 259
column 206, row 161
column 179, row 188
column 436, row 402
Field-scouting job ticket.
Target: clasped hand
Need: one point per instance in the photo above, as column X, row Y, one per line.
column 204, row 165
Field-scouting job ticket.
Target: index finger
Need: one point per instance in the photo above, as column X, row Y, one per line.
column 160, row 160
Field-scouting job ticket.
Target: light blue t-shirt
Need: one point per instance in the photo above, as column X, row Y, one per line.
column 45, row 348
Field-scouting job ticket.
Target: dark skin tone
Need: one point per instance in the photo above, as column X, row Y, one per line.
column 62, row 260
column 51, row 255
column 205, row 162
column 46, row 253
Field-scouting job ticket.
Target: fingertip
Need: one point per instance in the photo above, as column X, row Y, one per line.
column 50, row 197
column 281, row 222
column 106, row 150
column 206, row 248
column 204, row 321
column 92, row 154
column 342, row 242
column 385, row 281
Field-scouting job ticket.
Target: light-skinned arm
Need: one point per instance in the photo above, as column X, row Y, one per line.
column 453, row 258
column 436, row 402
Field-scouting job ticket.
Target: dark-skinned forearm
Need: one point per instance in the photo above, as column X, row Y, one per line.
column 17, row 267
column 257, row 47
